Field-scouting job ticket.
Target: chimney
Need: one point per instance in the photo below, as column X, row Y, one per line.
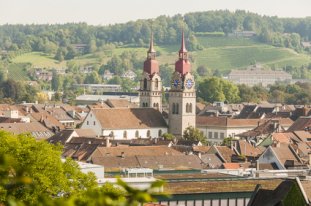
column 278, row 144
column 257, row 165
column 108, row 142
column 199, row 155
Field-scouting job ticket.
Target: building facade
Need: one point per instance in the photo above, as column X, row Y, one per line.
column 256, row 75
column 150, row 91
column 182, row 96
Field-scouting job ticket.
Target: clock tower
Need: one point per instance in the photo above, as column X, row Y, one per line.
column 182, row 96
column 150, row 92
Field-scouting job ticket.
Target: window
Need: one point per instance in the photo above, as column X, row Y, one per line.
column 145, row 84
column 187, row 108
column 210, row 135
column 87, row 122
column 215, row 135
column 156, row 84
column 177, row 109
column 173, row 108
column 137, row 134
column 160, row 133
column 111, row 134
column 222, row 135
column 94, row 123
column 125, row 134
column 148, row 133
column 190, row 108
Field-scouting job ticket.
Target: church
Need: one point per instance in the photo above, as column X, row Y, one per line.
column 182, row 95
column 147, row 120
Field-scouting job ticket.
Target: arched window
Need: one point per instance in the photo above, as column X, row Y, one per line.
column 160, row 133
column 125, row 134
column 187, row 108
column 148, row 133
column 154, row 105
column 156, row 84
column 190, row 107
column 137, row 134
column 145, row 84
column 111, row 134
column 173, row 108
column 177, row 108
column 157, row 106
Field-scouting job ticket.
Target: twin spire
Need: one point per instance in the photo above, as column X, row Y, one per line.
column 182, row 65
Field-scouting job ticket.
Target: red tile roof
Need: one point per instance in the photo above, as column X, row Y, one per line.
column 138, row 118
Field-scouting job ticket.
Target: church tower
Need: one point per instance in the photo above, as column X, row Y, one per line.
column 150, row 92
column 182, row 96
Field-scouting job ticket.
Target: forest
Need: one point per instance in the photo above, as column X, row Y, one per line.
column 59, row 39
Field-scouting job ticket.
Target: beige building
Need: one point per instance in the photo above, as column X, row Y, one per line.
column 150, row 92
column 182, row 96
column 257, row 75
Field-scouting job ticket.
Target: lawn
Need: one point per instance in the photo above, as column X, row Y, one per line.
column 222, row 53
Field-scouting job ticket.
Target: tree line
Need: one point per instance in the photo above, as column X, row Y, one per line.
column 58, row 39
column 216, row 89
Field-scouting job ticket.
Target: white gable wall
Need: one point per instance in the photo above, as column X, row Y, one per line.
column 91, row 122
column 269, row 157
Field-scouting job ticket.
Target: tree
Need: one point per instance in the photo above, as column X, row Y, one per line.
column 203, row 71
column 216, row 89
column 210, row 90
column 59, row 54
column 194, row 134
column 168, row 136
column 32, row 173
column 35, row 170
column 56, row 82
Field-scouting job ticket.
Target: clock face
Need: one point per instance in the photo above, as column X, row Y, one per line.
column 189, row 83
column 175, row 83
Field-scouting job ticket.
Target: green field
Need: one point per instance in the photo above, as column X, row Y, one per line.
column 38, row 59
column 18, row 72
column 222, row 53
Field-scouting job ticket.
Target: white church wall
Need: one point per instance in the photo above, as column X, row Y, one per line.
column 131, row 133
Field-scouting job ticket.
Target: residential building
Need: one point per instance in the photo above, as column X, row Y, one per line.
column 256, row 75
column 34, row 128
column 129, row 75
column 218, row 128
column 281, row 156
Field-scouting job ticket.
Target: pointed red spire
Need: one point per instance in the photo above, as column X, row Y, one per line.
column 183, row 65
column 151, row 49
column 183, row 47
column 151, row 65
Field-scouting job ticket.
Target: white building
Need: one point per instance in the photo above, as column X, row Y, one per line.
column 126, row 123
column 256, row 75
column 218, row 128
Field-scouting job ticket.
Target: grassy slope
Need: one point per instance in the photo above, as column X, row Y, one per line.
column 221, row 53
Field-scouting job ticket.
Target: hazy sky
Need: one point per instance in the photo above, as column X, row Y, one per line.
column 118, row 11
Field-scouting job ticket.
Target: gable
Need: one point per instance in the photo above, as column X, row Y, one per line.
column 130, row 118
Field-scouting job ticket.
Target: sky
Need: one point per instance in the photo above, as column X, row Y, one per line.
column 104, row 12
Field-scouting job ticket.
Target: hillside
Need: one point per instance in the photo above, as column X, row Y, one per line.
column 218, row 53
